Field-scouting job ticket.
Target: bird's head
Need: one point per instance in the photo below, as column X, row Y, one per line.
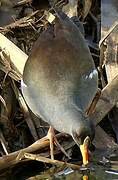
column 83, row 134
column 85, row 128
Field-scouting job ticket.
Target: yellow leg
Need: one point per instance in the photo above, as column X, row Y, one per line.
column 51, row 136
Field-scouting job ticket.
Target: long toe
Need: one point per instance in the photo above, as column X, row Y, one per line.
column 51, row 136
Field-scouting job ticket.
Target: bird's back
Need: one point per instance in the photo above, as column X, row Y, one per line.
column 59, row 72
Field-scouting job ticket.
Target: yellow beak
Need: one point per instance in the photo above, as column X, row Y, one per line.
column 84, row 150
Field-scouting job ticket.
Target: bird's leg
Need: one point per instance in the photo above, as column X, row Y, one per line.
column 51, row 136
column 61, row 148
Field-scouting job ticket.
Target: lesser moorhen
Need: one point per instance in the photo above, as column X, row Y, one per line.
column 60, row 80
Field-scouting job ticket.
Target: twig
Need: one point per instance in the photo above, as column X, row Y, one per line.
column 17, row 56
column 50, row 161
column 23, row 22
column 10, row 159
column 4, row 143
column 108, row 33
column 25, row 111
column 108, row 99
column 23, row 2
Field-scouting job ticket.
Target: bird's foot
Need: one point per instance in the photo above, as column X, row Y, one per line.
column 52, row 138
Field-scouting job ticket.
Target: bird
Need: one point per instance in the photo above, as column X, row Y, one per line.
column 60, row 81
